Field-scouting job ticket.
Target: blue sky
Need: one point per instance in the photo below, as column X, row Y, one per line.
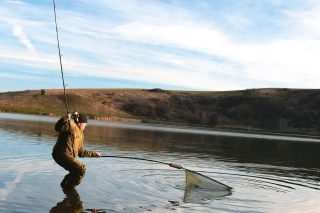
column 211, row 45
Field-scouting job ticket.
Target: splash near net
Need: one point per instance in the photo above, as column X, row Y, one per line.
column 197, row 180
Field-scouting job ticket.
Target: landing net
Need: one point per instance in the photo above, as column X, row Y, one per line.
column 197, row 180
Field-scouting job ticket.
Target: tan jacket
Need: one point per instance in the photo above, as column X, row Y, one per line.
column 70, row 140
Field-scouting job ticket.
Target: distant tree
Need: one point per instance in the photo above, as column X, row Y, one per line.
column 43, row 92
column 156, row 90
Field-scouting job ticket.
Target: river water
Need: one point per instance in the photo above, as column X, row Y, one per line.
column 268, row 173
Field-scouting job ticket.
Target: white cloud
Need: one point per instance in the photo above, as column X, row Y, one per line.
column 15, row 1
column 269, row 61
column 23, row 38
column 196, row 45
column 191, row 37
column 306, row 22
column 24, row 77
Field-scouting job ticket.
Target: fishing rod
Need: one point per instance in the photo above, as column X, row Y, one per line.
column 64, row 86
column 174, row 165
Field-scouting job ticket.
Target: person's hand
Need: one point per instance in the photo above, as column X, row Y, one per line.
column 98, row 155
column 67, row 117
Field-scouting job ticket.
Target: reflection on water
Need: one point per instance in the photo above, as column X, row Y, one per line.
column 266, row 172
column 198, row 195
column 71, row 203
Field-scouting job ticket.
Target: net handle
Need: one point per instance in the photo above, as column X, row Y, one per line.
column 174, row 165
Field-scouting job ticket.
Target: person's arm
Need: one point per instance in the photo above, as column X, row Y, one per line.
column 86, row 153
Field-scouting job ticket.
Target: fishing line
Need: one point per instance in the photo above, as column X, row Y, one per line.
column 64, row 86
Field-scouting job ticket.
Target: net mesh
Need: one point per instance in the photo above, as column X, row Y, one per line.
column 198, row 195
column 197, row 180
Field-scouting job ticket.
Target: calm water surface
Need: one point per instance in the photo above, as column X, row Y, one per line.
column 268, row 173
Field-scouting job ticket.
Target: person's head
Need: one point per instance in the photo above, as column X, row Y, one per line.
column 82, row 121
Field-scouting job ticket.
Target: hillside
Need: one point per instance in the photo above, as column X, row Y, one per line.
column 273, row 110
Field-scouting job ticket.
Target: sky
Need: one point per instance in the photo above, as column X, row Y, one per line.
column 195, row 45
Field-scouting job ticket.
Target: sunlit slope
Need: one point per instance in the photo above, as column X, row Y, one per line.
column 255, row 109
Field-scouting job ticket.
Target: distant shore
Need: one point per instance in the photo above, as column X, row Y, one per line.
column 222, row 128
column 268, row 110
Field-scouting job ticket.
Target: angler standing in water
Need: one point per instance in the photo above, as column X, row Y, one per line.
column 69, row 145
column 70, row 140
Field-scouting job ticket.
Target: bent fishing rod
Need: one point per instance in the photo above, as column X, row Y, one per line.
column 64, row 86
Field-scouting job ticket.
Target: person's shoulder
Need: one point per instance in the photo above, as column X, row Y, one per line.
column 72, row 124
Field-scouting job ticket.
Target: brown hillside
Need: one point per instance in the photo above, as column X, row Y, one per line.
column 278, row 110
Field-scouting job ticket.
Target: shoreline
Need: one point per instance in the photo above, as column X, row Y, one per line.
column 238, row 129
